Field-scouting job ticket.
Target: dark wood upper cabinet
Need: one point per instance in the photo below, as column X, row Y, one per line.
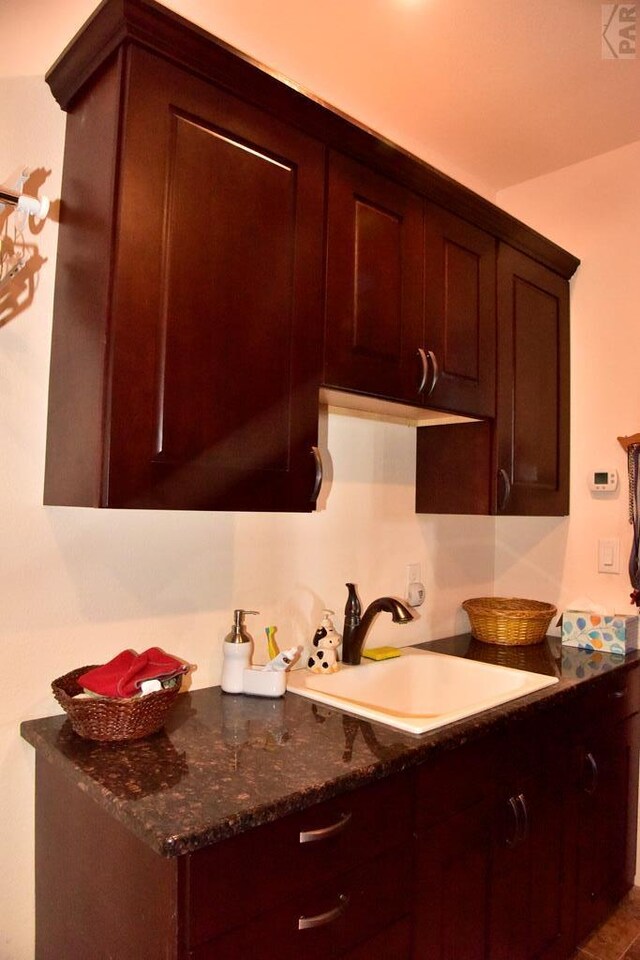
column 213, row 220
column 532, row 423
column 460, row 314
column 211, row 307
column 519, row 462
column 410, row 296
column 374, row 307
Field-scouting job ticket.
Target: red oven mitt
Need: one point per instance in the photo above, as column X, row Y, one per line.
column 122, row 676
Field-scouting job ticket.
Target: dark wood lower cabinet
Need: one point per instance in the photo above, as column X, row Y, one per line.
column 512, row 847
column 525, row 843
column 491, row 874
column 453, row 887
column 528, row 891
column 605, row 812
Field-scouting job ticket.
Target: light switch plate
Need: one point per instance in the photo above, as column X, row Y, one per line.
column 609, row 556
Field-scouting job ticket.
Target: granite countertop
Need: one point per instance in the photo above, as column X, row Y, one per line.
column 225, row 763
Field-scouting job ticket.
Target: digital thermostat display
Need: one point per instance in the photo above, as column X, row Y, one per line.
column 604, row 481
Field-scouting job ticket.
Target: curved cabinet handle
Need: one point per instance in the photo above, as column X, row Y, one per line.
column 516, row 834
column 310, row 836
column 504, row 476
column 522, row 803
column 618, row 694
column 425, row 369
column 592, row 767
column 317, row 483
column 436, row 372
column 322, row 919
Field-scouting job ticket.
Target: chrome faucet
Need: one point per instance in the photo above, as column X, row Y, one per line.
column 356, row 627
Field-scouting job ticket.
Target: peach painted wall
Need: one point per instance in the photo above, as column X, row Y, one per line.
column 592, row 209
column 78, row 585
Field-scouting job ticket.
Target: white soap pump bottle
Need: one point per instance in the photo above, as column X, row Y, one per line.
column 237, row 650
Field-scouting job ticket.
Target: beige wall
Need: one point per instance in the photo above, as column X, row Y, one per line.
column 77, row 586
column 592, row 209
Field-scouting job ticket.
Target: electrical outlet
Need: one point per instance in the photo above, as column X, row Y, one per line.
column 415, row 588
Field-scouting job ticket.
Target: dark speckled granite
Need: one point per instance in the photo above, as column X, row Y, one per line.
column 227, row 763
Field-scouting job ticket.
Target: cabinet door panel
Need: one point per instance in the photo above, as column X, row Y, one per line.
column 549, row 927
column 533, row 387
column 606, row 817
column 217, row 320
column 374, row 283
column 394, row 943
column 217, row 241
column 460, row 312
column 452, row 888
column 529, row 915
column 509, row 901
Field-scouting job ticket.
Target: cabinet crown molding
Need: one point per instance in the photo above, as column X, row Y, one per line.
column 145, row 23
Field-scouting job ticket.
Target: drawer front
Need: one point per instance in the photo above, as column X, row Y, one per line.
column 610, row 698
column 455, row 781
column 348, row 911
column 396, row 943
column 266, row 866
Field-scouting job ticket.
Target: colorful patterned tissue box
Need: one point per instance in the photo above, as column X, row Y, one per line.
column 595, row 631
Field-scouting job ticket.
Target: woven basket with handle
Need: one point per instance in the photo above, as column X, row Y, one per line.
column 101, row 718
column 509, row 620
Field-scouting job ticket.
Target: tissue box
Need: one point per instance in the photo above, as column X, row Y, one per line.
column 597, row 631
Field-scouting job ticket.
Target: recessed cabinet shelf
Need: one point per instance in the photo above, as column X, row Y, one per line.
column 374, row 408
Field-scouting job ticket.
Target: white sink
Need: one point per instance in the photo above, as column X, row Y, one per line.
column 419, row 690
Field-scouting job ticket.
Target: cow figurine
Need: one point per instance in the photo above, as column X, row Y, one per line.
column 324, row 659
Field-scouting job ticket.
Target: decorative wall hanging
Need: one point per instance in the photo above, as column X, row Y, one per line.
column 19, row 258
column 631, row 445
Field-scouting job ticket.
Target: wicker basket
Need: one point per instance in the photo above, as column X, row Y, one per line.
column 101, row 718
column 509, row 620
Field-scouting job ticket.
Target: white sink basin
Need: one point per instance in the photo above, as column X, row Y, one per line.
column 419, row 690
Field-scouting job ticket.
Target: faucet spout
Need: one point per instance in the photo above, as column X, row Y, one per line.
column 356, row 626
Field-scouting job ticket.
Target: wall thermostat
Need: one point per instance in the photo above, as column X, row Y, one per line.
column 603, row 481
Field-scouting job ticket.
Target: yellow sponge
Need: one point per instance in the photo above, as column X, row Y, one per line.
column 381, row 653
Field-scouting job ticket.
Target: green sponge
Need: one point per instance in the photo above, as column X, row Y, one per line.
column 381, row 653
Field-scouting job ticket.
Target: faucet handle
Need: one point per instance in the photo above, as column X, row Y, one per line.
column 352, row 609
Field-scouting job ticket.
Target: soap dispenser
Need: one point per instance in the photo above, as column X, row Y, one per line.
column 237, row 649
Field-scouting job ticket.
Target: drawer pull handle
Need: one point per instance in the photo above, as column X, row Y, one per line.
column 592, row 785
column 516, row 834
column 322, row 919
column 617, row 694
column 522, row 803
column 309, row 836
